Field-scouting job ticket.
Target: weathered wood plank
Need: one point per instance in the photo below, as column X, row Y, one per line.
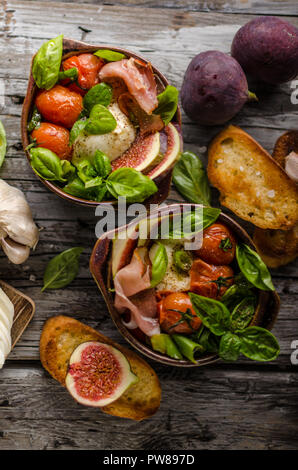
column 254, row 410
column 275, row 7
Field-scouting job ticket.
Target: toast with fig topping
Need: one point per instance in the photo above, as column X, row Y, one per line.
column 61, row 335
column 251, row 183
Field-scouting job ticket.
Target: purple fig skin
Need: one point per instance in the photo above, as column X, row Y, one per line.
column 214, row 88
column 267, row 49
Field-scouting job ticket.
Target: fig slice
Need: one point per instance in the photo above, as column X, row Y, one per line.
column 141, row 155
column 98, row 374
column 172, row 153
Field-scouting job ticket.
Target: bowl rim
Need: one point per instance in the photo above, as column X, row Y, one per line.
column 76, row 47
column 266, row 298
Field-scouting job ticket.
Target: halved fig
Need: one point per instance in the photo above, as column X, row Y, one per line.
column 98, row 374
column 172, row 153
column 142, row 154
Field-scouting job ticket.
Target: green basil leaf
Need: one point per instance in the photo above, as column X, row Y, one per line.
column 214, row 314
column 229, row 347
column 253, row 267
column 68, row 170
column 76, row 188
column 102, row 164
column 72, row 74
column 86, row 170
column 46, row 63
column 46, row 164
column 159, row 259
column 190, row 179
column 99, row 94
column 235, row 294
column 62, row 269
column 3, row 143
column 130, row 183
column 196, row 221
column 258, row 344
column 100, row 192
column 101, row 121
column 77, row 129
column 182, row 260
column 35, row 120
column 187, row 347
column 109, row 56
column 93, row 182
column 207, row 340
column 243, row 313
column 167, row 104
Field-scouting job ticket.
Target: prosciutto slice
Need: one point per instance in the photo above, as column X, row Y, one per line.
column 148, row 123
column 139, row 79
column 133, row 293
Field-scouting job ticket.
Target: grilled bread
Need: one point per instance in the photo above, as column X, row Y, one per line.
column 61, row 335
column 250, row 182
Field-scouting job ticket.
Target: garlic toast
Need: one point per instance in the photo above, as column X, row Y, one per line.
column 250, row 182
column 62, row 334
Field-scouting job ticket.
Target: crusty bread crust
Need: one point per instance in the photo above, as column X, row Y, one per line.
column 61, row 335
column 252, row 184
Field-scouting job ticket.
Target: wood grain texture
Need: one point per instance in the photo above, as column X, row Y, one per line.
column 240, row 406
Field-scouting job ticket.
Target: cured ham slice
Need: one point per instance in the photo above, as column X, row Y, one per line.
column 133, row 294
column 139, row 79
column 148, row 123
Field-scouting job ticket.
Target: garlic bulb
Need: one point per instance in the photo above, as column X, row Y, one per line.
column 18, row 232
column 6, row 320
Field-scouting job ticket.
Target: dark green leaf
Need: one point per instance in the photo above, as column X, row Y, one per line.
column 101, row 121
column 258, row 344
column 229, row 347
column 208, row 340
column 109, row 56
column 46, row 164
column 35, row 120
column 190, row 178
column 68, row 170
column 243, row 313
column 72, row 74
column 93, row 182
column 86, row 170
column 76, row 130
column 253, row 268
column 76, row 187
column 46, row 63
column 99, row 94
column 214, row 314
column 234, row 295
column 62, row 269
column 159, row 259
column 225, row 244
column 167, row 104
column 130, row 183
column 196, row 220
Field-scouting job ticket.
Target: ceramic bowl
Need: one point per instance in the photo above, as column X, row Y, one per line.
column 72, row 47
column 100, row 267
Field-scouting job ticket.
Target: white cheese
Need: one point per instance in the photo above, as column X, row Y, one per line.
column 113, row 144
column 173, row 280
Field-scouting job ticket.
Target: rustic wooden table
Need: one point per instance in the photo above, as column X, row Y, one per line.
column 225, row 406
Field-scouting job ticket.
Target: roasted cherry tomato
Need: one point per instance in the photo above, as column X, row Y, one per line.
column 59, row 105
column 210, row 280
column 171, row 320
column 53, row 137
column 218, row 245
column 88, row 66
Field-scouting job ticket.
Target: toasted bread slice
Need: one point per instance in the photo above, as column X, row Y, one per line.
column 277, row 247
column 251, row 183
column 61, row 335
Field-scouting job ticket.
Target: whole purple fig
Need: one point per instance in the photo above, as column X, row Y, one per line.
column 267, row 49
column 214, row 88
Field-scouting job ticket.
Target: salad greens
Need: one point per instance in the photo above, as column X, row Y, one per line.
column 62, row 269
column 3, row 143
column 167, row 104
column 46, row 63
column 253, row 267
column 190, row 179
column 101, row 121
column 99, row 94
column 130, row 183
column 46, row 164
column 109, row 56
column 197, row 221
column 254, row 342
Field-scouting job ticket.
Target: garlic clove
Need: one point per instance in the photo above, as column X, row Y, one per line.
column 5, row 338
column 7, row 306
column 15, row 252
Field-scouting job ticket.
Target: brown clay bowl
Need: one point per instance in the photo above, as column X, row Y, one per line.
column 73, row 47
column 100, row 267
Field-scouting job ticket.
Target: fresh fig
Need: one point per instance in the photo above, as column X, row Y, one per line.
column 214, row 88
column 98, row 374
column 173, row 148
column 267, row 49
column 141, row 154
